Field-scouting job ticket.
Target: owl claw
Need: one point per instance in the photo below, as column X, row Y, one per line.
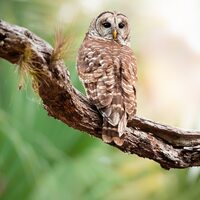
column 118, row 141
column 107, row 138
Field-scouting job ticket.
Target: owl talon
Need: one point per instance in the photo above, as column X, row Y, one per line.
column 118, row 141
column 107, row 138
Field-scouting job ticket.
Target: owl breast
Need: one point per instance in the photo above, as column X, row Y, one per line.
column 108, row 71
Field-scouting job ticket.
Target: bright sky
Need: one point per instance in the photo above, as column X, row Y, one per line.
column 183, row 18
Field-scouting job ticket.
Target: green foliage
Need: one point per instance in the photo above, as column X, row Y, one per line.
column 43, row 159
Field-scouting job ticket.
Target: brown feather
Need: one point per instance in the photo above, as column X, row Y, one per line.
column 108, row 71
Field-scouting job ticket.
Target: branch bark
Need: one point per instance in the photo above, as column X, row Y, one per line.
column 170, row 147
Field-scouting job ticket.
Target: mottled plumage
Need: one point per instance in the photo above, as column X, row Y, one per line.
column 107, row 67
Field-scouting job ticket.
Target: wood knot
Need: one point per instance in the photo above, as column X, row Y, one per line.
column 2, row 36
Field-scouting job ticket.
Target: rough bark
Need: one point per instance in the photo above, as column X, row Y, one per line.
column 170, row 147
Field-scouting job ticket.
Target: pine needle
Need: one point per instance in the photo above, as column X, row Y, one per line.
column 61, row 46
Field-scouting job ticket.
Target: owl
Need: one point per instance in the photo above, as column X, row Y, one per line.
column 107, row 67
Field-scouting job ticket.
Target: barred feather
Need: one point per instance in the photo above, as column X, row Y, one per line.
column 108, row 71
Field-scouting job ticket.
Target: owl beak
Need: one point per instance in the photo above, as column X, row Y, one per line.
column 114, row 34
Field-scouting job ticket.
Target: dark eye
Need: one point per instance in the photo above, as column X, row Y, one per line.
column 121, row 25
column 106, row 25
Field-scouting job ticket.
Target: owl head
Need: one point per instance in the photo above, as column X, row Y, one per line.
column 111, row 26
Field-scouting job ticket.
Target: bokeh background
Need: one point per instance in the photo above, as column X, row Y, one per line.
column 43, row 159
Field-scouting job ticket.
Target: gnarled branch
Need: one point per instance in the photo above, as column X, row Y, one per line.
column 170, row 147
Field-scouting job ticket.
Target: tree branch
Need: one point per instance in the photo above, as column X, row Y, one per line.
column 170, row 147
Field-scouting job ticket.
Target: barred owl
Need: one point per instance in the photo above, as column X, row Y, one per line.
column 107, row 67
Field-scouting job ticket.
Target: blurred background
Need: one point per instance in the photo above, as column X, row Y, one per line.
column 43, row 159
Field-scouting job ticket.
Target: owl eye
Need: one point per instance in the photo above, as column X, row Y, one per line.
column 121, row 25
column 106, row 25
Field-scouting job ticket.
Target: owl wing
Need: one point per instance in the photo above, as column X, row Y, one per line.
column 95, row 68
column 129, row 78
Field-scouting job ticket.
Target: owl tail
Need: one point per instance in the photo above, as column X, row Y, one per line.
column 112, row 133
